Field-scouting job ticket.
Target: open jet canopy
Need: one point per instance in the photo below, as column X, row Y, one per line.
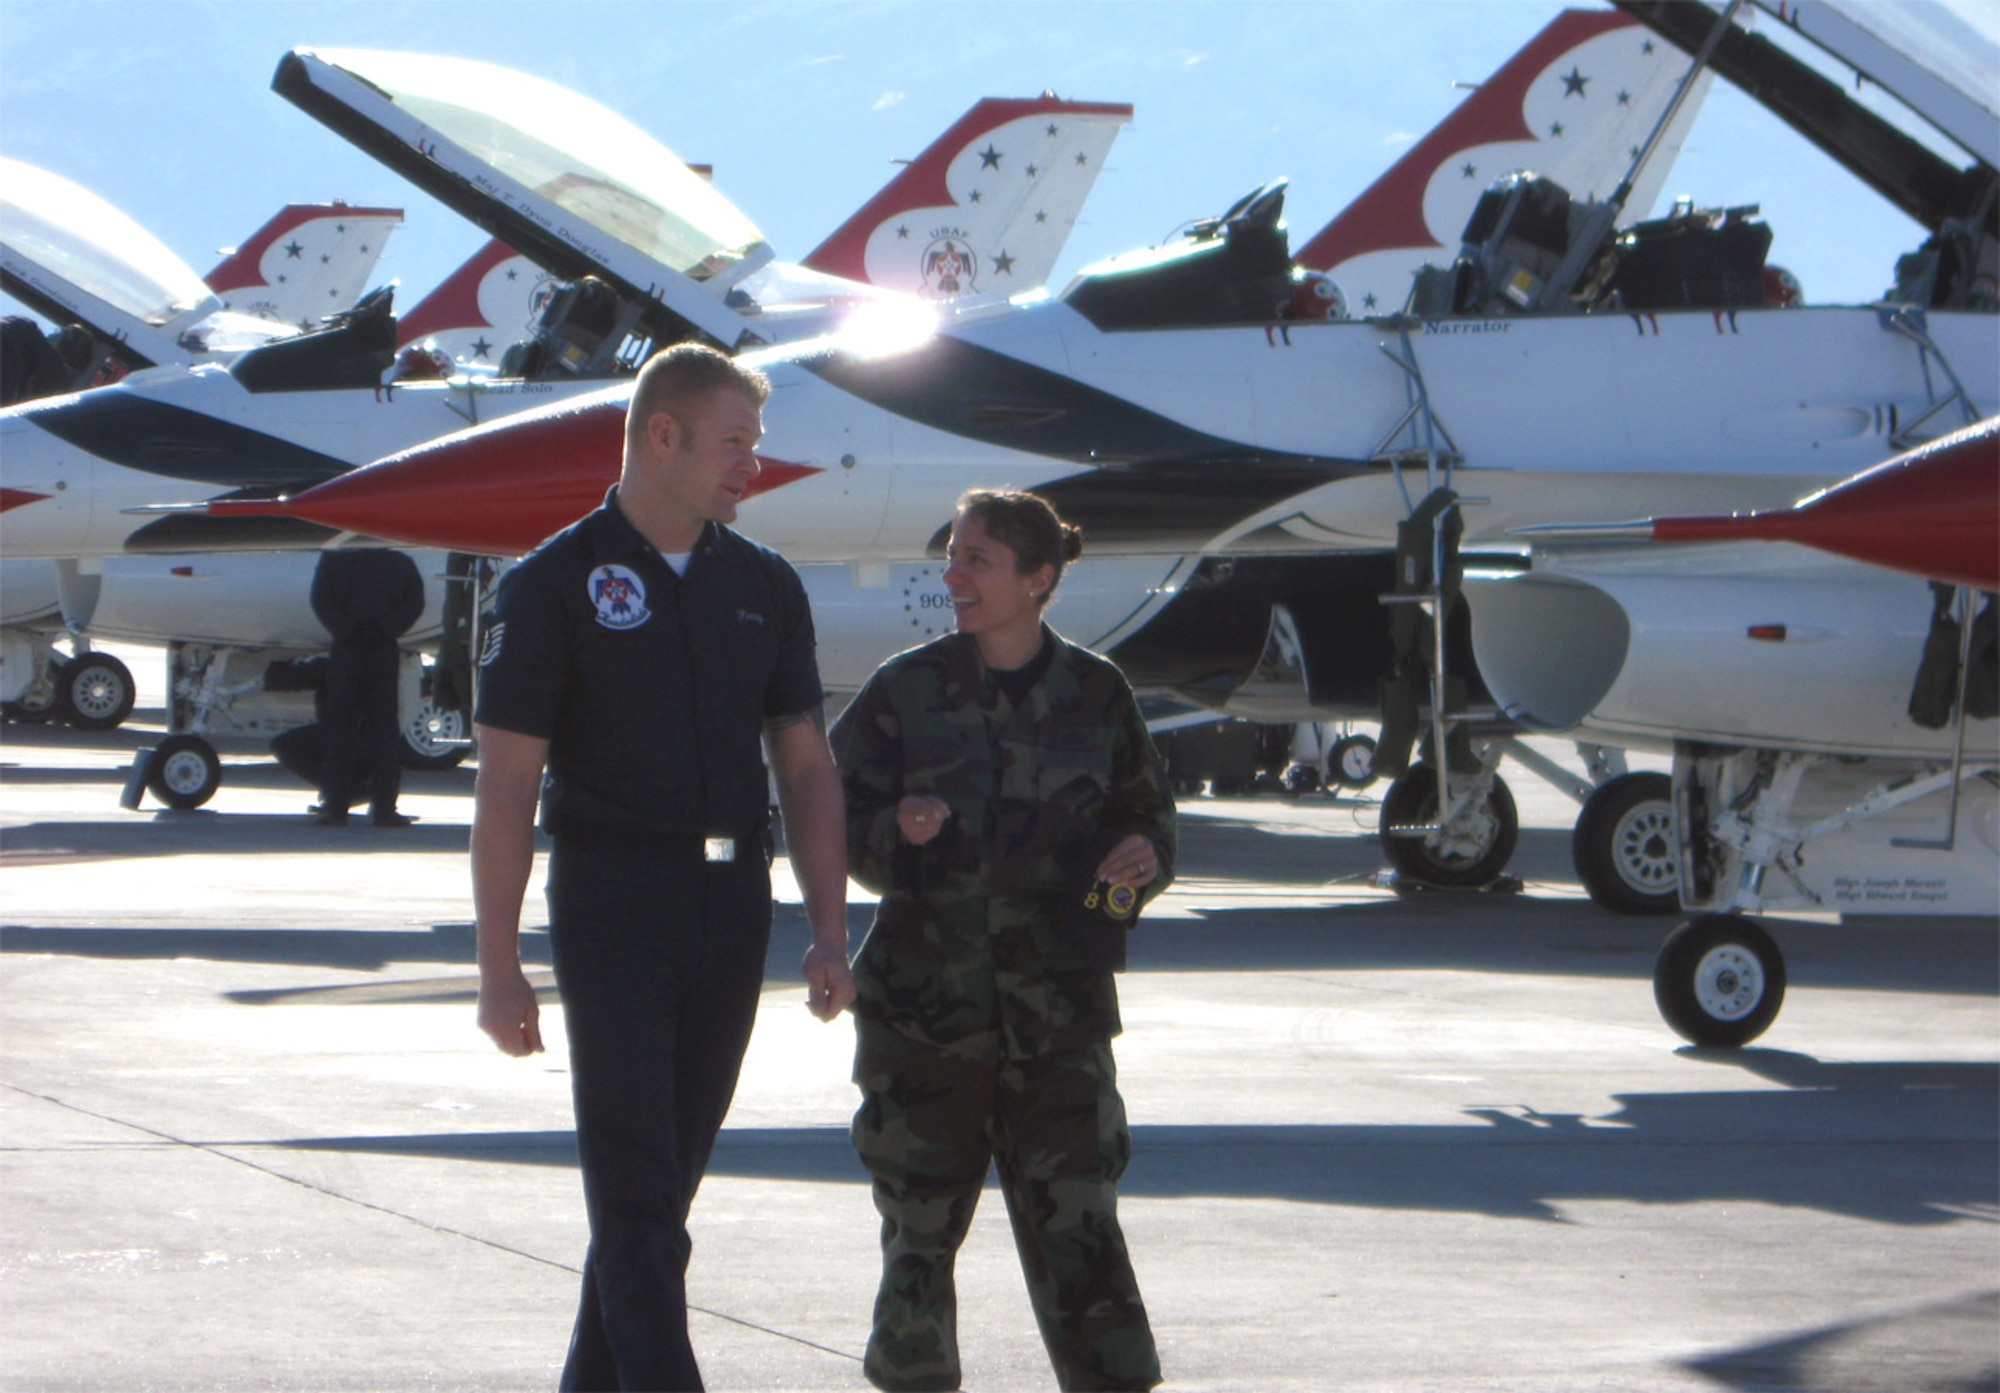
column 1933, row 61
column 573, row 186
column 72, row 257
column 1936, row 65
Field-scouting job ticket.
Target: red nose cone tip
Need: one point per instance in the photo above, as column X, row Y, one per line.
column 1934, row 512
column 495, row 491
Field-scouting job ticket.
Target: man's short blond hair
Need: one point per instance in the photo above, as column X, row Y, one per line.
column 677, row 377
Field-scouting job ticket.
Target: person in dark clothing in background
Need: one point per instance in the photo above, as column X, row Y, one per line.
column 34, row 365
column 367, row 598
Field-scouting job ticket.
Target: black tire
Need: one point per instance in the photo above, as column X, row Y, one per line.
column 1300, row 779
column 1624, row 846
column 1351, row 762
column 1452, row 864
column 433, row 738
column 185, row 772
column 1719, row 980
column 95, row 692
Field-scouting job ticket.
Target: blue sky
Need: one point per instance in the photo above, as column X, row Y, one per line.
column 164, row 108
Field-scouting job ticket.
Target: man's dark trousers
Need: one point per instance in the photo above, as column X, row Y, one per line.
column 362, row 724
column 659, row 960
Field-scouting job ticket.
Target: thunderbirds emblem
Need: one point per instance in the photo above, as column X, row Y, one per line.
column 620, row 598
column 949, row 267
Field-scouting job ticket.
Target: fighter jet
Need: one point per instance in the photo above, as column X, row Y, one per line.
column 123, row 300
column 1562, row 369
column 73, row 258
column 230, row 616
column 1003, row 236
column 1839, row 750
column 961, row 245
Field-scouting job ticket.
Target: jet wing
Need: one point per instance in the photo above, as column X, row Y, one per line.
column 566, row 182
column 72, row 257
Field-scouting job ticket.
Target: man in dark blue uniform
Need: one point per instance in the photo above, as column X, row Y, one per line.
column 640, row 657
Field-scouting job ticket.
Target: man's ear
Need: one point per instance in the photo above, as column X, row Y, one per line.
column 663, row 430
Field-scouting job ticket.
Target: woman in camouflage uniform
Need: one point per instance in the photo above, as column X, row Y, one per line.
column 997, row 778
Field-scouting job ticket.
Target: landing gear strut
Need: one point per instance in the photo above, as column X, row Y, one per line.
column 1461, row 847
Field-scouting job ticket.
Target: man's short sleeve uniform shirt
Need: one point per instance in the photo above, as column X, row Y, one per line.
column 652, row 689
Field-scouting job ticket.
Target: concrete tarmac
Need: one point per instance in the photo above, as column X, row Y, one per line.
column 252, row 1139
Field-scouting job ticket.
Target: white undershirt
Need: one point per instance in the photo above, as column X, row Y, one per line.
column 678, row 560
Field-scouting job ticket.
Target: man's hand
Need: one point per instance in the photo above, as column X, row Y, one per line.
column 510, row 1014
column 829, row 982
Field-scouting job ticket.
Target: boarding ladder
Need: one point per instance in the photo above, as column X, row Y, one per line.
column 1908, row 322
column 1419, row 437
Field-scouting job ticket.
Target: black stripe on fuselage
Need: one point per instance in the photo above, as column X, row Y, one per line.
column 1151, row 479
column 150, row 436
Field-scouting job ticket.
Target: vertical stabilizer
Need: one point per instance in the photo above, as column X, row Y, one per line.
column 479, row 310
column 988, row 207
column 311, row 260
column 1575, row 105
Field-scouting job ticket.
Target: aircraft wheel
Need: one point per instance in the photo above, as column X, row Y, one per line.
column 39, row 704
column 95, row 691
column 1720, row 980
column 1456, row 858
column 185, row 772
column 1352, row 761
column 1624, row 846
column 433, row 737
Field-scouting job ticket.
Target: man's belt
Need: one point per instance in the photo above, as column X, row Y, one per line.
column 673, row 846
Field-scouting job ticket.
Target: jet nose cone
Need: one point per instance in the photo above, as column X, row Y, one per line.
column 1932, row 512
column 496, row 490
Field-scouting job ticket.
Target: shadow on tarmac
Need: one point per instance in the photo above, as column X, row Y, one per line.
column 201, row 832
column 1926, row 1347
column 1572, row 938
column 1475, row 933
column 1504, row 1161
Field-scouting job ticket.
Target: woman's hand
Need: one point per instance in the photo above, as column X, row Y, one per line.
column 920, row 819
column 1132, row 862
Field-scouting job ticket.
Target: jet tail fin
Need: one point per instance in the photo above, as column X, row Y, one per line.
column 311, row 260
column 987, row 207
column 1574, row 105
column 479, row 310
